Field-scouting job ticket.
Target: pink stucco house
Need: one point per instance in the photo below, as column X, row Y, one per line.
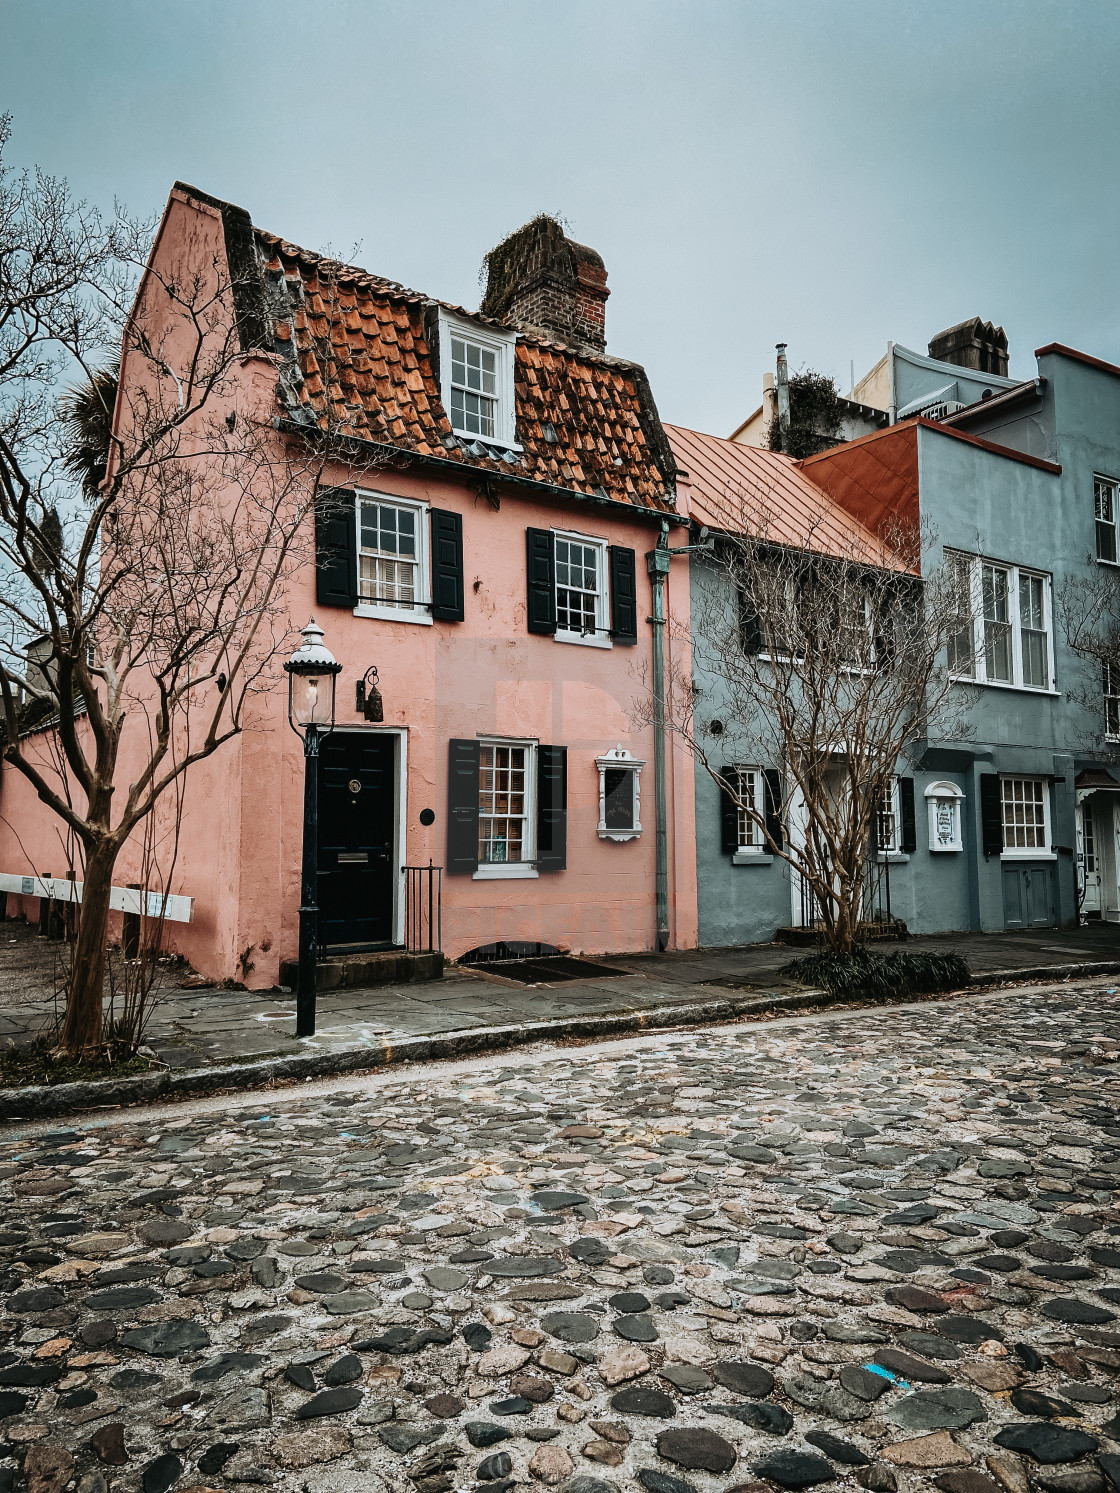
column 492, row 566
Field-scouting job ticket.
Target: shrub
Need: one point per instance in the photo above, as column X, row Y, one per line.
column 869, row 975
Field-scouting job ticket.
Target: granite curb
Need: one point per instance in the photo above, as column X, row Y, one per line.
column 42, row 1101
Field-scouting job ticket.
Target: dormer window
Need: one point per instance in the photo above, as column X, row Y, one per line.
column 476, row 378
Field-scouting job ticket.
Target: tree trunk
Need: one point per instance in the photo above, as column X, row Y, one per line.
column 81, row 1030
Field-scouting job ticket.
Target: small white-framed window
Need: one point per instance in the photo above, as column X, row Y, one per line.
column 392, row 559
column 507, row 809
column 477, row 381
column 1110, row 683
column 1106, row 512
column 619, row 795
column 749, row 795
column 887, row 821
column 1003, row 634
column 1025, row 805
column 582, row 604
column 943, row 805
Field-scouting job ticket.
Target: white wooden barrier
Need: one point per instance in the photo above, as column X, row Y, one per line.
column 121, row 898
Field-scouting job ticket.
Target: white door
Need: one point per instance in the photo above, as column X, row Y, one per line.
column 1090, row 863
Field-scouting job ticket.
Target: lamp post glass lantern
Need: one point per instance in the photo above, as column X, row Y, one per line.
column 312, row 671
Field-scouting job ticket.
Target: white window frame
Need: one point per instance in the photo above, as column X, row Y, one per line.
column 756, row 845
column 503, row 344
column 421, row 609
column 1110, row 689
column 979, row 673
column 601, row 638
column 1022, row 852
column 1100, row 481
column 941, row 796
column 614, row 760
column 525, row 869
column 891, row 851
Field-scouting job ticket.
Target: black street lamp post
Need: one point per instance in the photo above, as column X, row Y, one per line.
column 312, row 670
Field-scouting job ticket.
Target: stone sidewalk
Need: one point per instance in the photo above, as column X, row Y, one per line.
column 199, row 1028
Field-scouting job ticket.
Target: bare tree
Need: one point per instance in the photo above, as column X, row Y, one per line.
column 1088, row 610
column 152, row 571
column 825, row 659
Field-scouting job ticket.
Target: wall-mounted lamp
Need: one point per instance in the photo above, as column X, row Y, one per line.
column 369, row 702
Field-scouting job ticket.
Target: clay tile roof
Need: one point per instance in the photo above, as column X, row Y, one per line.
column 745, row 489
column 585, row 422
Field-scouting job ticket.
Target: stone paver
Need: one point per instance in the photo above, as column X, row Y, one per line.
column 694, row 1261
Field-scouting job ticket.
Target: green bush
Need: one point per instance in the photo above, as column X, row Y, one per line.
column 865, row 974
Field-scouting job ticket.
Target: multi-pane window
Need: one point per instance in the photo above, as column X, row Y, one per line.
column 886, row 821
column 748, row 797
column 1111, row 683
column 474, row 387
column 580, row 592
column 1025, row 818
column 1106, row 504
column 389, row 555
column 1001, row 633
column 503, row 803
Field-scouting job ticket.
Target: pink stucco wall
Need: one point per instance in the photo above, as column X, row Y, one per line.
column 239, row 851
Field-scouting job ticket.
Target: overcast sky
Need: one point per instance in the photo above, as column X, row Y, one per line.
column 831, row 174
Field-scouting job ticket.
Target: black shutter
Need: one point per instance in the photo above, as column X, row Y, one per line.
column 552, row 808
column 447, row 565
column 774, row 807
column 462, row 808
column 991, row 814
column 909, row 840
column 728, row 813
column 336, row 548
column 750, row 626
column 624, row 595
column 541, row 577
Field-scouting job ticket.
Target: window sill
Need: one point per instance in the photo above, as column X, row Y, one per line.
column 506, row 871
column 945, row 849
column 487, row 440
column 585, row 640
column 892, row 857
column 390, row 614
column 1020, row 689
column 1028, row 855
column 751, row 858
column 621, row 835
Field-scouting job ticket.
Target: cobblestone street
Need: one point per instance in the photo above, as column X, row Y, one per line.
column 877, row 1248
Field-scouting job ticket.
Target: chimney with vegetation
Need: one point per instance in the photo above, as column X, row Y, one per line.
column 539, row 281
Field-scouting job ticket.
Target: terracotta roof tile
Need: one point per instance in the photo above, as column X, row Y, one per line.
column 584, row 422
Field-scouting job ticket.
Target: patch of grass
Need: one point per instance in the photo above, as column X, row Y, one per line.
column 865, row 974
column 33, row 1063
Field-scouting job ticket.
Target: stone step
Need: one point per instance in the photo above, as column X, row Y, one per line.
column 388, row 967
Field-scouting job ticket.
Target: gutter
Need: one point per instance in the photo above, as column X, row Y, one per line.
column 461, row 471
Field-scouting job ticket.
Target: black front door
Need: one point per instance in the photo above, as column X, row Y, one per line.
column 357, row 863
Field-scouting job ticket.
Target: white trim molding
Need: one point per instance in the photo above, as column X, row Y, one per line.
column 500, row 347
column 619, row 759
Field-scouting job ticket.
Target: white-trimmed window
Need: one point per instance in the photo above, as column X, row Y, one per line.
column 887, row 821
column 749, row 794
column 506, row 808
column 1106, row 508
column 619, row 795
column 1025, row 805
column 582, row 607
column 1004, row 629
column 392, row 558
column 477, row 380
column 1110, row 681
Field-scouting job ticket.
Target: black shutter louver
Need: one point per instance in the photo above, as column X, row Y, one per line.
column 750, row 627
column 462, row 808
column 336, row 548
column 991, row 814
column 728, row 812
column 908, row 841
column 552, row 808
column 774, row 827
column 540, row 576
column 447, row 566
column 624, row 595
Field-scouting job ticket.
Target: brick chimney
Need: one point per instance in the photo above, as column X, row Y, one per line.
column 972, row 344
column 539, row 280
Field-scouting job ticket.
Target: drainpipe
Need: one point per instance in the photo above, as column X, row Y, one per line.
column 892, row 396
column 783, row 397
column 657, row 563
